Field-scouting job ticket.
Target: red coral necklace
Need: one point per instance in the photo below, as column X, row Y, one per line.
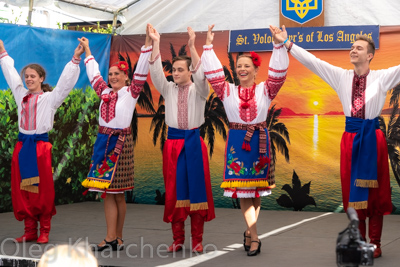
column 246, row 95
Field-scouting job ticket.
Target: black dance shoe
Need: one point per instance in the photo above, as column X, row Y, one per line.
column 255, row 252
column 113, row 245
column 122, row 246
column 246, row 247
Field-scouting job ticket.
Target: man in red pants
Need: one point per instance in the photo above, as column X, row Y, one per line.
column 185, row 160
column 364, row 167
column 32, row 187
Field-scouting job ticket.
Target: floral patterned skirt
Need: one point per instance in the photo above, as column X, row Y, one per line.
column 123, row 178
column 247, row 173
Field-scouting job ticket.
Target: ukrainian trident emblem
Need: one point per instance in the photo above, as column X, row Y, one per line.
column 301, row 11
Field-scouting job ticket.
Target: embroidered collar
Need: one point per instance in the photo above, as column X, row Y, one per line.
column 246, row 93
column 361, row 76
column 184, row 86
column 29, row 95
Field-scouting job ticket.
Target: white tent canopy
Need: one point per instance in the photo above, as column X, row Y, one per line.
column 176, row 15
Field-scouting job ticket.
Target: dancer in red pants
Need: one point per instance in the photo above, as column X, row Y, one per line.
column 32, row 188
column 185, row 160
column 364, row 167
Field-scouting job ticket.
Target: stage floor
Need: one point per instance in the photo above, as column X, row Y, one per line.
column 288, row 238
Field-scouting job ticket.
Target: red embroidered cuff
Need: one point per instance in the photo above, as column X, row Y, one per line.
column 197, row 67
column 290, row 46
column 208, row 47
column 278, row 46
column 154, row 60
column 88, row 59
column 3, row 54
column 147, row 49
column 75, row 60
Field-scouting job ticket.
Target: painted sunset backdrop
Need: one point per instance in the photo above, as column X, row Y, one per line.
column 311, row 112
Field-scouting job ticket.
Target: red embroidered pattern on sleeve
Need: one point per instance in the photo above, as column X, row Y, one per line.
column 218, row 83
column 136, row 87
column 3, row 54
column 196, row 67
column 89, row 59
column 99, row 85
column 274, row 84
column 155, row 58
column 75, row 60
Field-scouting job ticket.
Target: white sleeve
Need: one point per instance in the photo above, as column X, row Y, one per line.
column 158, row 77
column 329, row 73
column 278, row 67
column 65, row 83
column 389, row 78
column 141, row 71
column 214, row 71
column 200, row 81
column 12, row 77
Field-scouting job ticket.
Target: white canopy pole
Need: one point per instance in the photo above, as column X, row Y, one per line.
column 30, row 12
column 114, row 24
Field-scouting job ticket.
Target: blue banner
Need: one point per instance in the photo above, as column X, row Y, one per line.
column 310, row 38
column 52, row 49
column 302, row 11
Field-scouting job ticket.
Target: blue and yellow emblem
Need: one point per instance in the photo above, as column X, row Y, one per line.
column 302, row 11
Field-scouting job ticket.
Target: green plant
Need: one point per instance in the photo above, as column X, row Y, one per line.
column 9, row 136
column 73, row 136
column 14, row 14
column 99, row 29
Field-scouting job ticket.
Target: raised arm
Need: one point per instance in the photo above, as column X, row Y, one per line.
column 155, row 38
column 329, row 73
column 212, row 67
column 2, row 49
column 156, row 68
column 199, row 79
column 68, row 78
column 92, row 68
column 11, row 75
column 193, row 52
column 278, row 66
column 142, row 67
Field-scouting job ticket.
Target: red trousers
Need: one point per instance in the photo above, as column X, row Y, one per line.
column 172, row 149
column 379, row 199
column 28, row 204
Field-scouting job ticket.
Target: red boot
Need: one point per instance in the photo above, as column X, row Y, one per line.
column 363, row 229
column 375, row 233
column 45, row 226
column 30, row 231
column 197, row 224
column 178, row 231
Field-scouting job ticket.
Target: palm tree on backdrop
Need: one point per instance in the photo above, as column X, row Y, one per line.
column 145, row 100
column 215, row 119
column 278, row 134
column 298, row 196
column 392, row 133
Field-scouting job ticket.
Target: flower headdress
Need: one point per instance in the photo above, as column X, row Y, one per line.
column 255, row 58
column 122, row 65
